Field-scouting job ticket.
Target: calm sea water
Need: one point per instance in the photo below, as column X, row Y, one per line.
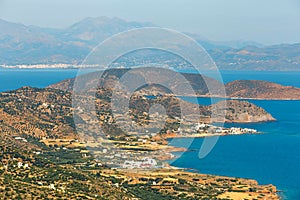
column 269, row 158
column 11, row 79
column 272, row 157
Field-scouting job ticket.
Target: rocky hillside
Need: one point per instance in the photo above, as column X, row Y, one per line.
column 261, row 90
column 48, row 112
column 36, row 112
column 197, row 82
column 233, row 111
column 244, row 112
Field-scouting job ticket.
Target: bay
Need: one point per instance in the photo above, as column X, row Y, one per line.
column 270, row 158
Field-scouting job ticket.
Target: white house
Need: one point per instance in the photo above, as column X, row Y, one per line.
column 51, row 186
column 20, row 164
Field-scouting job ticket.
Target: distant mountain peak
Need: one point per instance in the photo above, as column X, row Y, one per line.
column 96, row 29
column 92, row 21
column 102, row 20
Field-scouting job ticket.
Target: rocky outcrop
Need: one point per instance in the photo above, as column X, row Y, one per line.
column 244, row 112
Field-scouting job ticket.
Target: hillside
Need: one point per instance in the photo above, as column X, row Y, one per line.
column 237, row 111
column 261, row 90
column 245, row 112
column 284, row 57
column 48, row 112
column 36, row 112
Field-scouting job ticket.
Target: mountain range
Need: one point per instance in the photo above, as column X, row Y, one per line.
column 21, row 44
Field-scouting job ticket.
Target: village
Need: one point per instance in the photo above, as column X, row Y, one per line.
column 133, row 151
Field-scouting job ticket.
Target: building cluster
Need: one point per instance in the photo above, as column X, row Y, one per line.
column 209, row 128
column 144, row 163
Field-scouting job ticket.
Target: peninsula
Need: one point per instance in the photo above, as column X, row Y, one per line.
column 42, row 154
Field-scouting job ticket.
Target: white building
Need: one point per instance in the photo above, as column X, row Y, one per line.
column 20, row 164
column 51, row 186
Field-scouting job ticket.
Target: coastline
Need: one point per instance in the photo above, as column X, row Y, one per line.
column 274, row 195
column 240, row 98
column 202, row 135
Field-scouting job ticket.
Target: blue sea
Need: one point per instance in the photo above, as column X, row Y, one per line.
column 270, row 158
column 11, row 79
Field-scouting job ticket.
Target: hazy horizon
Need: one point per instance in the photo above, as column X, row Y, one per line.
column 268, row 22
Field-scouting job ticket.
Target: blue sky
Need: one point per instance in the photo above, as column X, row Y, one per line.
column 264, row 21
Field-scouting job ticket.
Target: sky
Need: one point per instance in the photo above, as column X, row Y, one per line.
column 263, row 21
